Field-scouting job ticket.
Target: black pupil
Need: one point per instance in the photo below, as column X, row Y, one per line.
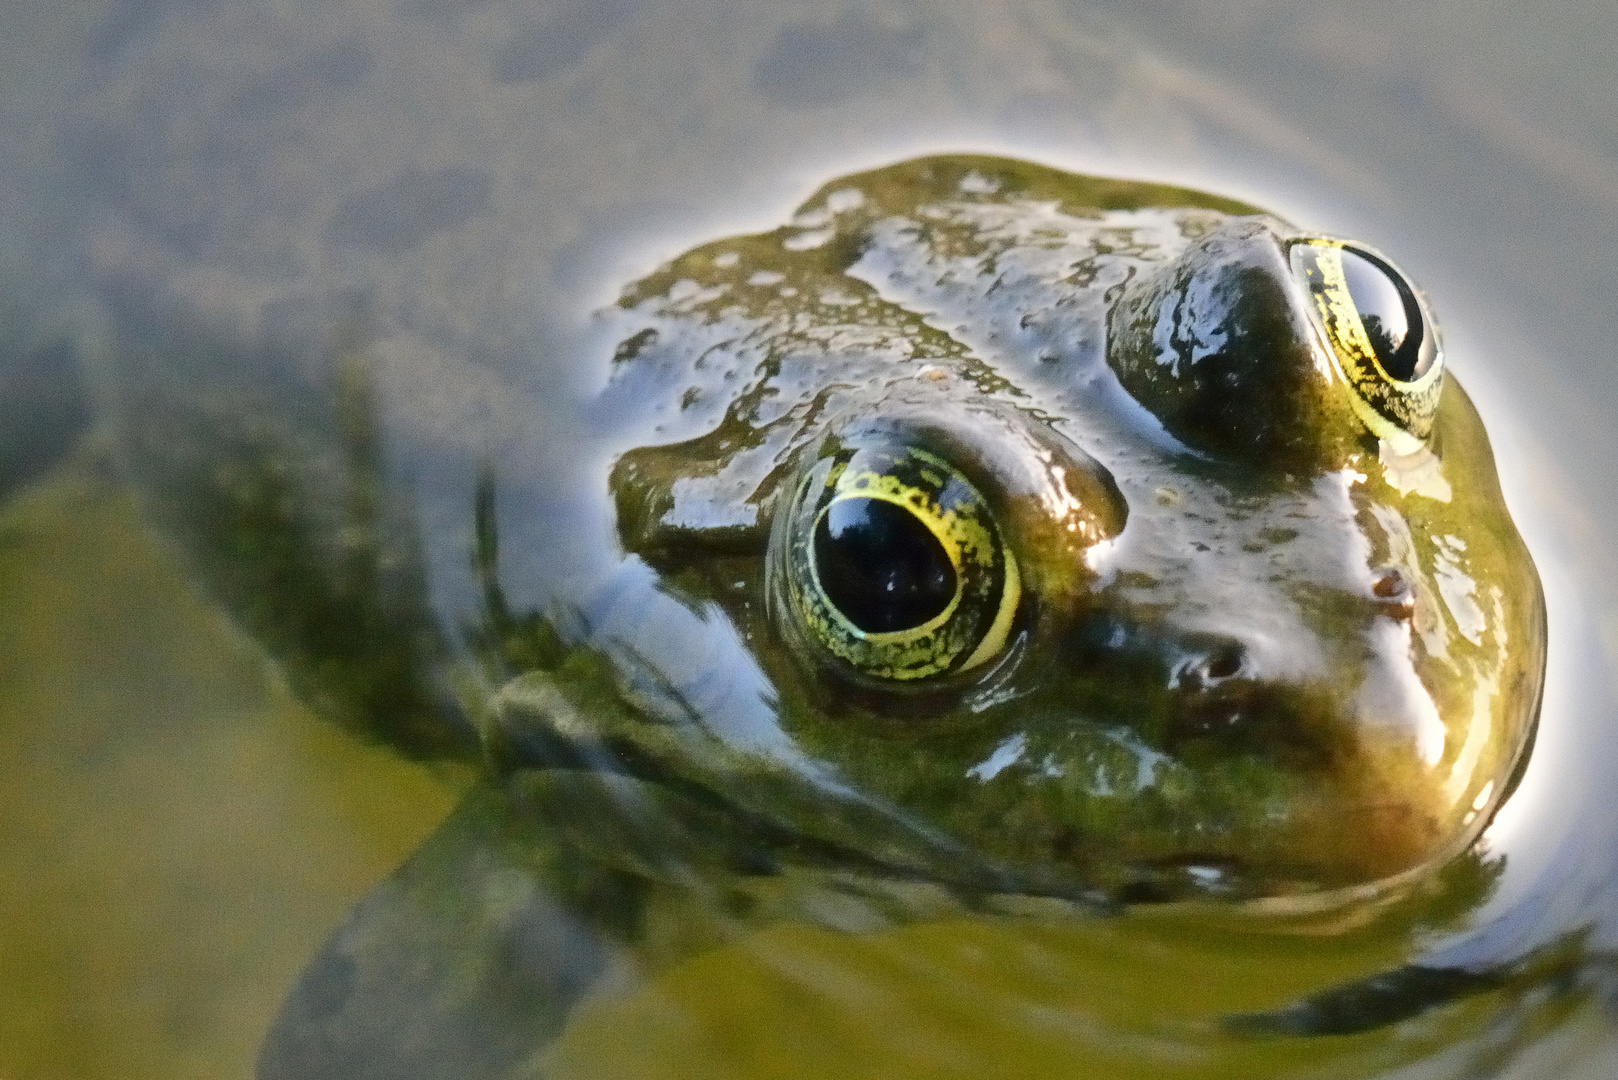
column 881, row 567
column 1391, row 315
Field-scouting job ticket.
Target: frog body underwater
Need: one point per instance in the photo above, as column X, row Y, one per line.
column 1074, row 541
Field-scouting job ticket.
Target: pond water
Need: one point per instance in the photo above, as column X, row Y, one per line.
column 344, row 257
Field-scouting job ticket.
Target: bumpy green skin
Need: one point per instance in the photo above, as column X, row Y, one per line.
column 1152, row 338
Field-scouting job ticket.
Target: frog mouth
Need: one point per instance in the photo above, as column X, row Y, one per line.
column 778, row 812
column 1214, row 715
column 762, row 821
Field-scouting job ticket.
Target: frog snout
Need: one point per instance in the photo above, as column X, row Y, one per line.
column 1300, row 699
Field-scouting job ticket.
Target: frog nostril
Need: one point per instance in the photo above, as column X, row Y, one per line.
column 1389, row 584
column 1392, row 587
column 1223, row 662
column 1217, row 664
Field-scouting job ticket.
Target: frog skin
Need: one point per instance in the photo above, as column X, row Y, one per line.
column 1079, row 549
column 1263, row 628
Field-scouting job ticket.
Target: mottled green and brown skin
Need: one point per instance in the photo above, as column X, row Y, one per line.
column 1258, row 650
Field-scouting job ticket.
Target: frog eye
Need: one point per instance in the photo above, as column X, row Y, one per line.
column 889, row 560
column 1380, row 334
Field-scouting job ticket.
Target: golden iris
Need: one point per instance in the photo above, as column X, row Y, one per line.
column 1381, row 338
column 891, row 561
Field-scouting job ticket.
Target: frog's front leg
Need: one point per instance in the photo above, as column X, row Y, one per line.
column 554, row 881
column 465, row 962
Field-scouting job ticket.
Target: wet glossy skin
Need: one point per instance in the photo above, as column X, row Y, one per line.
column 1214, row 630
column 1259, row 648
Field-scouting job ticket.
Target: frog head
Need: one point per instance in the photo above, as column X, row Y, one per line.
column 1118, row 534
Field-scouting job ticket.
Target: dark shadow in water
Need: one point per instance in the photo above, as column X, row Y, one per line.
column 1531, row 995
column 1387, row 998
column 1547, row 975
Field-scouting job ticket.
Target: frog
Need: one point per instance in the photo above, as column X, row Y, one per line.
column 992, row 538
